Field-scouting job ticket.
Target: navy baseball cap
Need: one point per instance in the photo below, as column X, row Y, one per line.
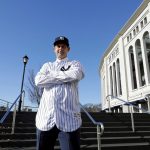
column 61, row 39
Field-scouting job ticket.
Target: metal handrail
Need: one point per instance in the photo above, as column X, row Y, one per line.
column 100, row 127
column 5, row 102
column 8, row 111
column 126, row 103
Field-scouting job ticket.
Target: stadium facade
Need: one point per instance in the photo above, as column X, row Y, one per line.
column 125, row 65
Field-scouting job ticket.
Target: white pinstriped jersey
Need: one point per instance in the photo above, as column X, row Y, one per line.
column 59, row 104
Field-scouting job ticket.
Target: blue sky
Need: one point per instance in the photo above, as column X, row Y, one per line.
column 29, row 27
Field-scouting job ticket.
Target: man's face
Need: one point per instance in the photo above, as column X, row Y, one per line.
column 61, row 50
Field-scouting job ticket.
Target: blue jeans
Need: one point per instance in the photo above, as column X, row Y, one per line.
column 68, row 140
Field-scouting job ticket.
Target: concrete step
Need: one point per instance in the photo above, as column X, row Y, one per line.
column 127, row 146
column 117, row 134
column 16, row 136
column 83, row 129
column 104, row 140
column 83, row 135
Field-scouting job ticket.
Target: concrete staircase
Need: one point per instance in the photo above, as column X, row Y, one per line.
column 117, row 135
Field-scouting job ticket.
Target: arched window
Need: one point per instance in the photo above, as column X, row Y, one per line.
column 140, row 62
column 111, row 80
column 145, row 20
column 115, row 80
column 146, row 40
column 119, row 78
column 137, row 29
column 130, row 36
column 132, row 68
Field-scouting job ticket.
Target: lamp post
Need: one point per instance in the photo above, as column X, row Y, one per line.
column 25, row 60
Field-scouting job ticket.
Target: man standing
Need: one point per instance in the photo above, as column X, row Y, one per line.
column 59, row 115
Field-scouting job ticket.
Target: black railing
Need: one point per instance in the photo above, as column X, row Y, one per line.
column 126, row 103
column 100, row 127
column 8, row 110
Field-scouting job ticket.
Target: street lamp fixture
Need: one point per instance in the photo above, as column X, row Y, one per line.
column 25, row 61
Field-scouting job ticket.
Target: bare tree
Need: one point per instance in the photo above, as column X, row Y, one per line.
column 34, row 92
column 92, row 107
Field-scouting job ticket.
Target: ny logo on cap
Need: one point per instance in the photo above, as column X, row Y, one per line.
column 61, row 38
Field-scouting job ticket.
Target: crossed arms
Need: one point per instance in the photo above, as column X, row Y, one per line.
column 47, row 77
